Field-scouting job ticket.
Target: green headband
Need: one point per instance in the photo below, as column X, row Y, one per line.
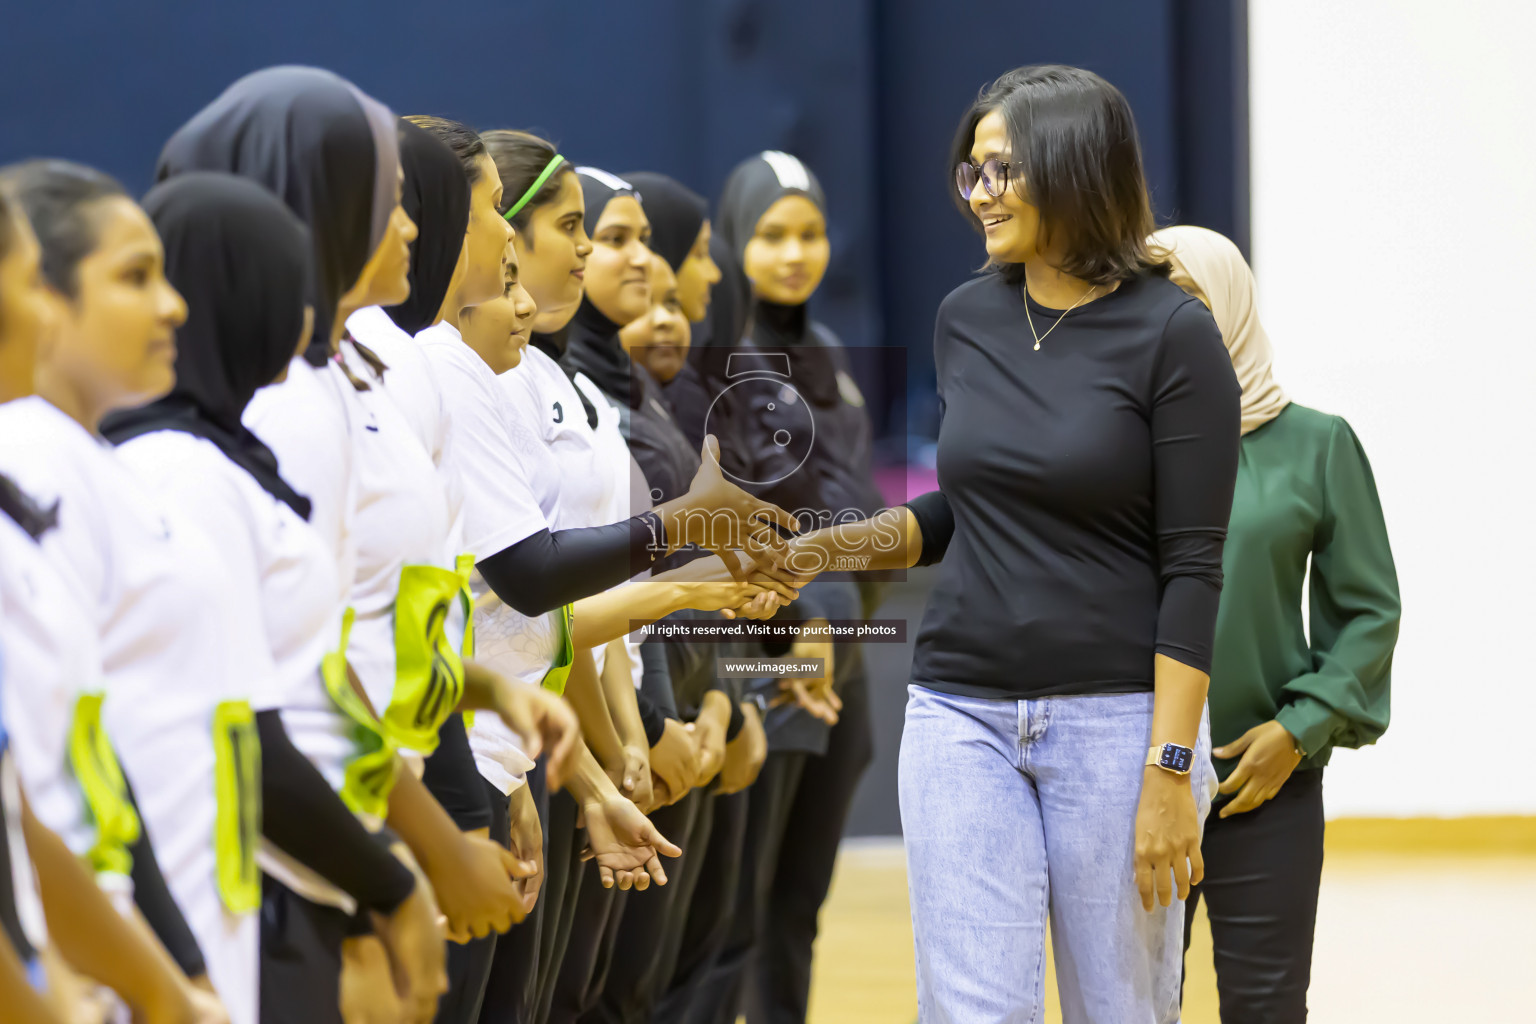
column 538, row 183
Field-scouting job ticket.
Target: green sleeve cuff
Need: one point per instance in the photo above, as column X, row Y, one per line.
column 1312, row 722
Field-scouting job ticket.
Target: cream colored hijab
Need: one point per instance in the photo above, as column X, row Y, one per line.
column 1210, row 267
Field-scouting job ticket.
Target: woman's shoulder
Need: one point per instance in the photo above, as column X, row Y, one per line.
column 1301, row 424
column 1313, row 421
column 824, row 335
column 1158, row 300
column 1332, row 432
column 983, row 289
column 1302, row 432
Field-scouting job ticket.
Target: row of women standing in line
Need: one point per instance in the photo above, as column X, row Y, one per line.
column 254, row 636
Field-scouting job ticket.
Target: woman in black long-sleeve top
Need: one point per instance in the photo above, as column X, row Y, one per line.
column 1054, row 759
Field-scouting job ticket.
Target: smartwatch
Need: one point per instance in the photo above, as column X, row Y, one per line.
column 1171, row 757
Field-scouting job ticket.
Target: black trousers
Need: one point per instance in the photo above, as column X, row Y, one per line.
column 594, row 931
column 686, row 878
column 510, row 989
column 1262, row 871
column 300, row 957
column 558, row 898
column 719, row 996
column 635, row 977
column 713, row 883
column 469, row 963
column 779, row 979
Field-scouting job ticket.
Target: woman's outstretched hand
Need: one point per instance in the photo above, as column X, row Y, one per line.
column 718, row 516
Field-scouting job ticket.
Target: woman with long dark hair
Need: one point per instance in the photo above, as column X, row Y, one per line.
column 1055, row 764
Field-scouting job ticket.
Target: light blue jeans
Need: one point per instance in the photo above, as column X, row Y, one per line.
column 1018, row 810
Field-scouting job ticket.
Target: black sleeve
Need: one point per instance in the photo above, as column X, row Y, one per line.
column 451, row 776
column 652, row 717
column 776, row 648
column 305, row 818
column 549, row 569
column 1196, row 421
column 656, row 678
column 936, row 522
column 159, row 908
column 737, row 718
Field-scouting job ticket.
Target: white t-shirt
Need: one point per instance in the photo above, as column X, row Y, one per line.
column 307, row 421
column 401, row 519
column 378, row 499
column 598, row 486
column 179, row 636
column 629, row 493
column 549, row 402
column 501, row 507
column 25, row 899
column 411, row 382
column 301, row 609
column 51, row 659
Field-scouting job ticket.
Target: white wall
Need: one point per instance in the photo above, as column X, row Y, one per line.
column 1394, row 226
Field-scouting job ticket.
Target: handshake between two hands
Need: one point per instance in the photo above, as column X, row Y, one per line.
column 755, row 572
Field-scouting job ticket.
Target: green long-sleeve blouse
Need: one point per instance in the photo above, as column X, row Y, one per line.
column 1305, row 490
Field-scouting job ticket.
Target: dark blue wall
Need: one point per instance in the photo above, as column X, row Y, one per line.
column 865, row 91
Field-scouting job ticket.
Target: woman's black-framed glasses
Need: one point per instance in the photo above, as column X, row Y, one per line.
column 992, row 174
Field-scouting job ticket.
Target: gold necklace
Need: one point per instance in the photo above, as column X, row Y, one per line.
column 1041, row 337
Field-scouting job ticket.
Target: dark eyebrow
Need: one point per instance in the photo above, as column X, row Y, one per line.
column 144, row 255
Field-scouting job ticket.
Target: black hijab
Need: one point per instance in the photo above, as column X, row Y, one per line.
column 726, row 321
column 241, row 259
column 436, row 198
column 597, row 188
column 676, row 212
column 591, row 339
column 755, row 185
column 327, row 149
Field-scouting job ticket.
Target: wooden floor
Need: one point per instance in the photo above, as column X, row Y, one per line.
column 1401, row 938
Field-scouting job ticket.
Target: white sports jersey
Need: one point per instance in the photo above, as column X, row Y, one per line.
column 50, row 644
column 182, row 657
column 411, row 382
column 307, row 421
column 595, row 487
column 498, row 462
column 300, row 605
column 25, row 900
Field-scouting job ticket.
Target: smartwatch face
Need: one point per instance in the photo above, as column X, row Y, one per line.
column 1176, row 758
